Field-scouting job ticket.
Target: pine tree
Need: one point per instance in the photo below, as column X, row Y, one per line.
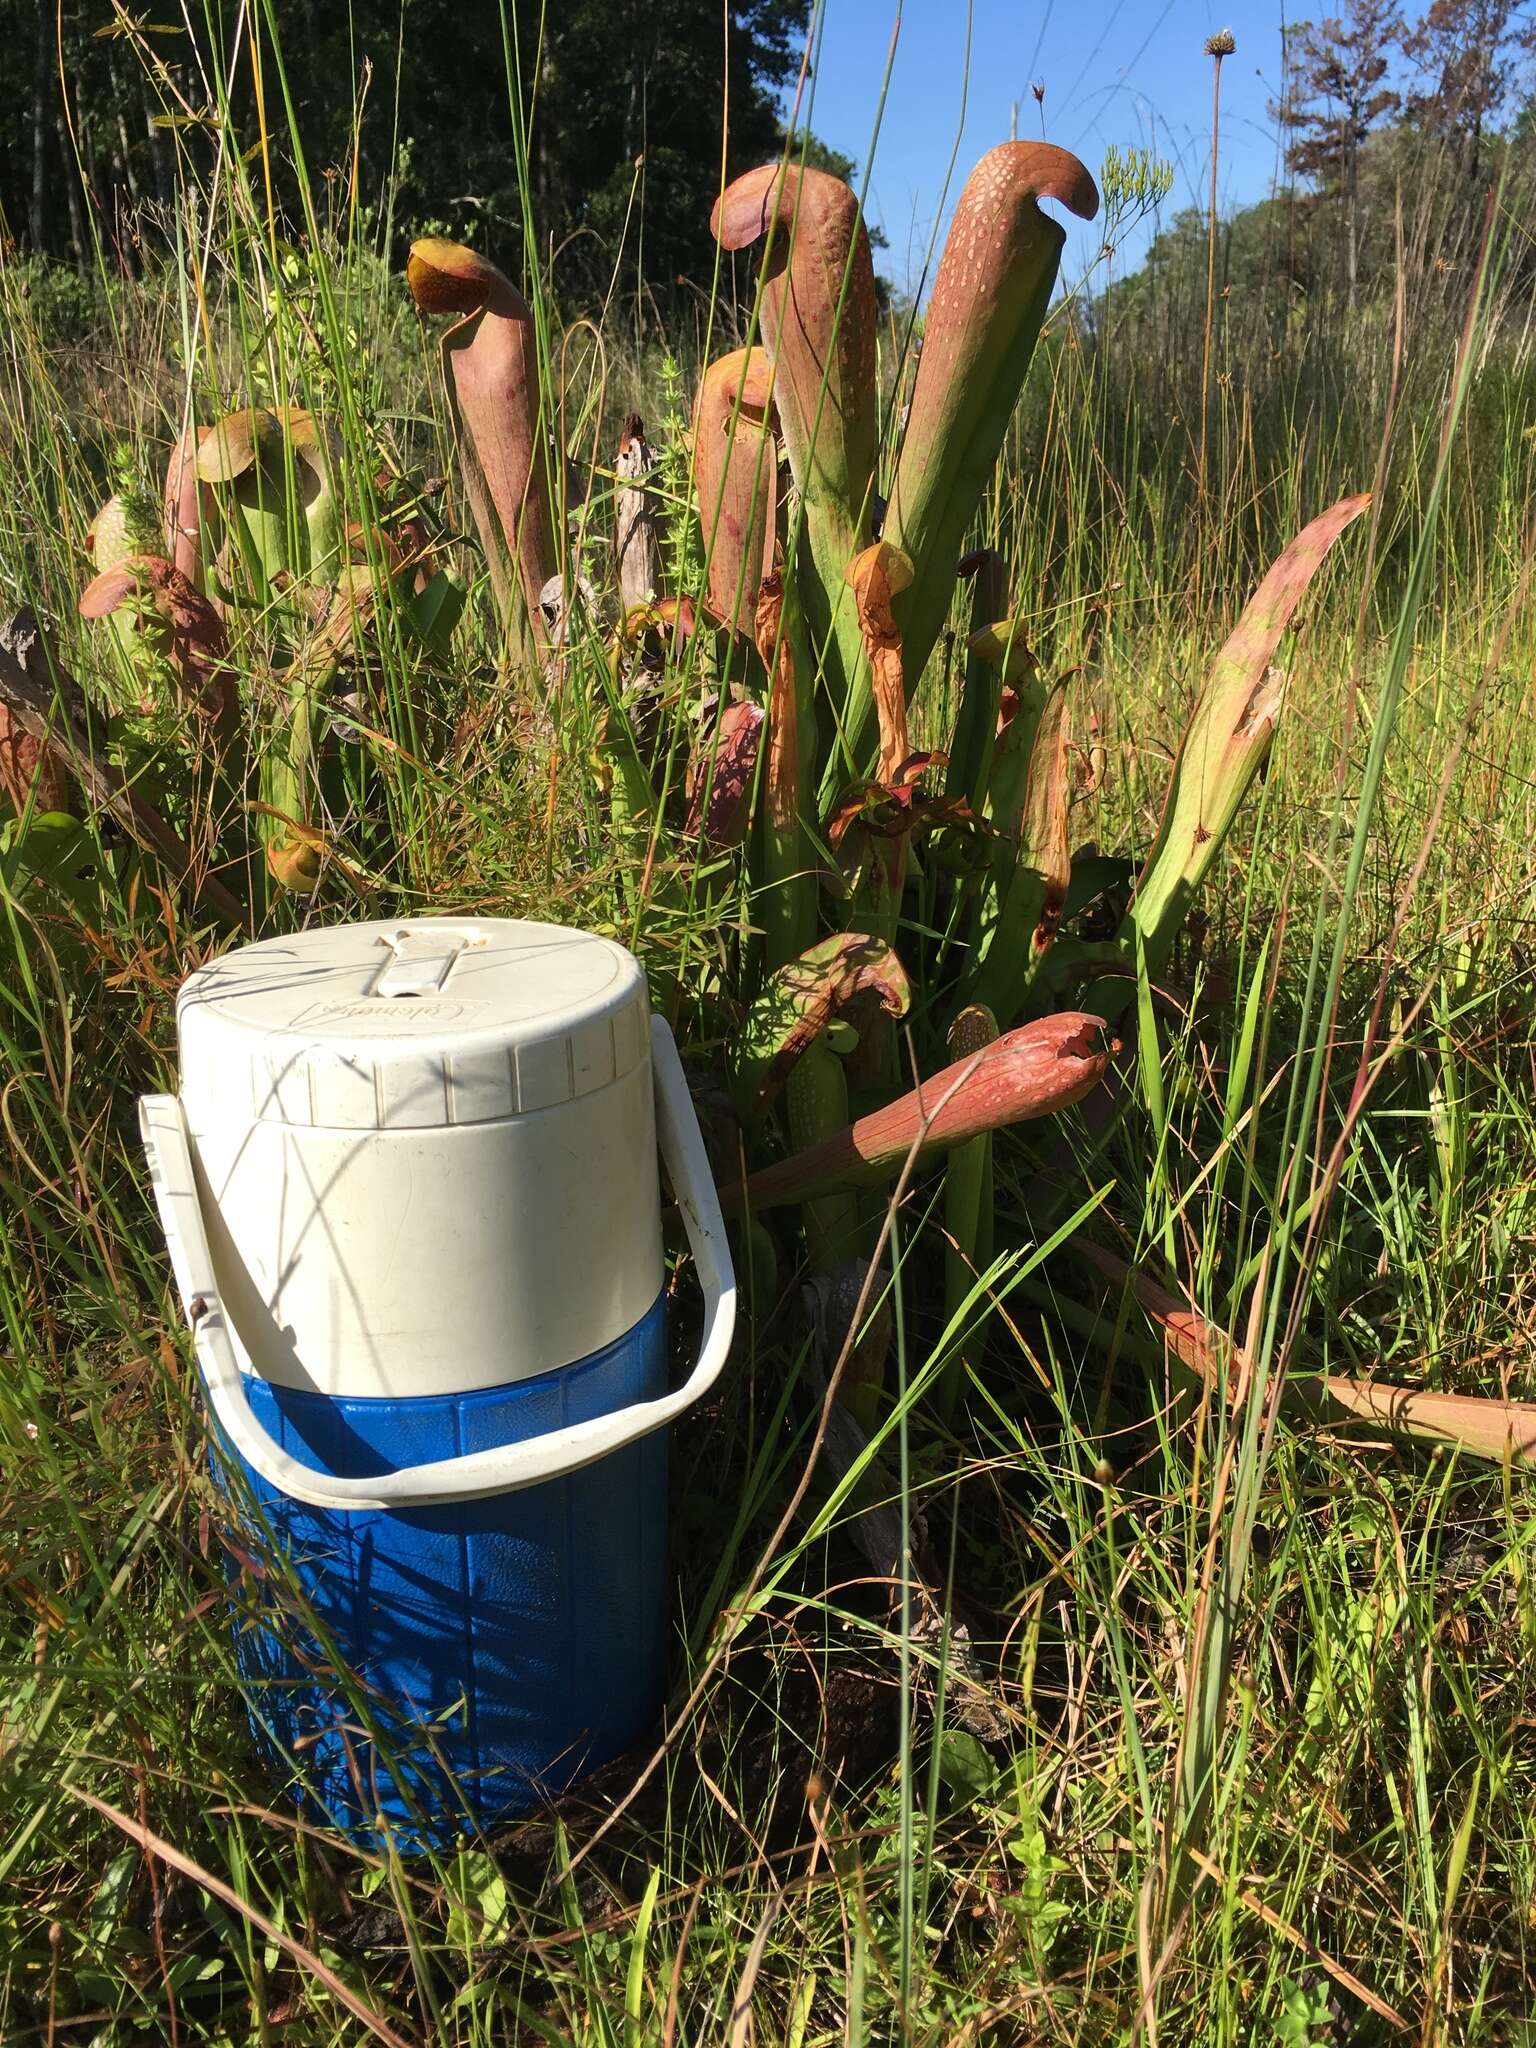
column 1336, row 92
column 1466, row 53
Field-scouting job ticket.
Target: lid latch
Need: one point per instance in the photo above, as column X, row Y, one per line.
column 420, row 962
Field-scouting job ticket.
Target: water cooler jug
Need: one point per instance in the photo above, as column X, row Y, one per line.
column 410, row 1194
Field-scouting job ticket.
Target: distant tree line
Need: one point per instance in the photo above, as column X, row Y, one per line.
column 1460, row 66
column 1395, row 131
column 625, row 110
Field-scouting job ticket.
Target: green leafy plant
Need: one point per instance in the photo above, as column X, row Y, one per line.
column 248, row 572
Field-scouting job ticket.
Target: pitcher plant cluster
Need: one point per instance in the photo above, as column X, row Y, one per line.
column 899, row 896
column 911, row 910
column 248, row 606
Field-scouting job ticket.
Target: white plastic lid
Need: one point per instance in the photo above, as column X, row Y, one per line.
column 411, row 1023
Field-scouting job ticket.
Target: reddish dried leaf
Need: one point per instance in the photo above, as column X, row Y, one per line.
column 801, row 999
column 30, row 773
column 894, row 809
column 875, row 577
column 183, row 607
column 781, row 771
column 195, row 639
column 719, row 782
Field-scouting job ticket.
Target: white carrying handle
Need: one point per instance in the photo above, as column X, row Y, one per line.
column 482, row 1473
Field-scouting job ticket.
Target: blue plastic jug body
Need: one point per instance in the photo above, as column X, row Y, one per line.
column 496, row 1650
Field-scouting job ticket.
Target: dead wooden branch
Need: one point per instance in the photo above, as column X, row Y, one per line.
column 636, row 543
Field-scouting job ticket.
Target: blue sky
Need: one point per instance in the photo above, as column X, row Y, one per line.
column 1128, row 72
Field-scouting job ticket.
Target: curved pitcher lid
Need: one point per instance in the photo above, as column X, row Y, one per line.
column 410, row 1022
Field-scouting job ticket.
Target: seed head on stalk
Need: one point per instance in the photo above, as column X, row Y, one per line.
column 1217, row 47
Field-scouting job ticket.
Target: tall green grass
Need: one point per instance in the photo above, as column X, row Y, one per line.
column 1240, row 1748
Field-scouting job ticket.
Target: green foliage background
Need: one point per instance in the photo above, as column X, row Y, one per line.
column 626, row 120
